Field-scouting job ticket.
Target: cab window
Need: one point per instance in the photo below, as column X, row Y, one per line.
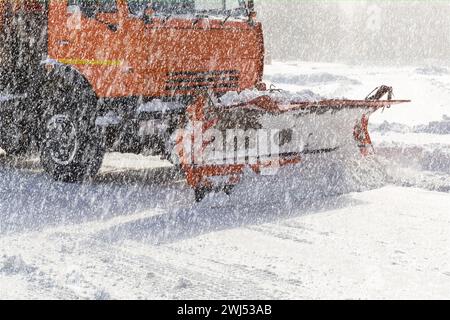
column 171, row 7
column 227, row 7
column 210, row 5
column 91, row 7
column 174, row 6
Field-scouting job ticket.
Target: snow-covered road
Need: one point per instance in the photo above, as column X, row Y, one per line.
column 387, row 243
column 135, row 231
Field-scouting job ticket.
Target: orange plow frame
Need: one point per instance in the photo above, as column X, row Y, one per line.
column 198, row 175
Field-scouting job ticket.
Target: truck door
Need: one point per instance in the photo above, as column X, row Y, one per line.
column 88, row 35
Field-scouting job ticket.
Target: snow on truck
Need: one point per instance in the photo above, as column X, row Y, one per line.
column 181, row 79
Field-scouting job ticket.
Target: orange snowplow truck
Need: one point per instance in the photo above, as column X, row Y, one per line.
column 74, row 66
column 181, row 79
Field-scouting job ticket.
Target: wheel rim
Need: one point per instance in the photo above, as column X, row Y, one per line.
column 61, row 139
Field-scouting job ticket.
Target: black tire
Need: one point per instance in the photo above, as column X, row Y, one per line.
column 71, row 147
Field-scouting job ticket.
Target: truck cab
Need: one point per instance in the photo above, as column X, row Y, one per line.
column 157, row 48
column 89, row 76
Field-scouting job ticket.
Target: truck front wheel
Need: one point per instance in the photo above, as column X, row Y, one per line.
column 71, row 147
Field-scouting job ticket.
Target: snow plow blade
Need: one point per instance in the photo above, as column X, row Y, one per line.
column 263, row 131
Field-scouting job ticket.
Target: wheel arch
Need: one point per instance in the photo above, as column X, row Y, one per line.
column 59, row 72
column 56, row 76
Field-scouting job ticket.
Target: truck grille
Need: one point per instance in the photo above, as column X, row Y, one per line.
column 191, row 80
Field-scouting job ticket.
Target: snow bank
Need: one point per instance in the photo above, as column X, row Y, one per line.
column 437, row 160
column 310, row 79
column 420, row 166
column 434, row 127
column 13, row 265
column 432, row 71
column 428, row 157
column 233, row 97
column 386, row 127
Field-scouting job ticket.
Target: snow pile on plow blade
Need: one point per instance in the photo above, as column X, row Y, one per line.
column 266, row 130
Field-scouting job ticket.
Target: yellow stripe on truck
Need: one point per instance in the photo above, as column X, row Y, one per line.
column 91, row 62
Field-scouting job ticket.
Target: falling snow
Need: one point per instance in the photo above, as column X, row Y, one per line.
column 332, row 226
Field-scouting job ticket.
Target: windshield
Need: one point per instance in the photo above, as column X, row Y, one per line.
column 208, row 7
